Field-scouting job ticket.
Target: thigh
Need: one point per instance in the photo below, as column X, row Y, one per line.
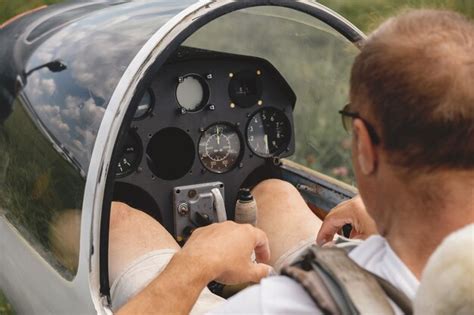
column 284, row 216
column 133, row 234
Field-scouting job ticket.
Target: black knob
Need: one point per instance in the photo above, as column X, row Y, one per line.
column 245, row 195
column 203, row 219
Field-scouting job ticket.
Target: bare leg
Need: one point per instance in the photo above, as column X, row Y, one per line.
column 133, row 233
column 284, row 216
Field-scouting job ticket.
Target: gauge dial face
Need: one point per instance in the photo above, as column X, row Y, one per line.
column 192, row 92
column 131, row 155
column 245, row 88
column 219, row 148
column 268, row 132
column 145, row 106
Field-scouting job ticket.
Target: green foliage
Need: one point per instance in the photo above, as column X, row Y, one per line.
column 5, row 307
column 37, row 182
column 10, row 8
column 367, row 14
column 36, row 185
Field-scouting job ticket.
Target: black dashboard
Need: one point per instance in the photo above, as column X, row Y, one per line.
column 206, row 117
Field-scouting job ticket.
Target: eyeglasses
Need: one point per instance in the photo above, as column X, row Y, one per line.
column 347, row 117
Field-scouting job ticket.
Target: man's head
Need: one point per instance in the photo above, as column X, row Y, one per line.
column 414, row 83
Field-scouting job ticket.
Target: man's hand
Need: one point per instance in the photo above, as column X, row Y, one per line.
column 351, row 212
column 224, row 251
column 219, row 252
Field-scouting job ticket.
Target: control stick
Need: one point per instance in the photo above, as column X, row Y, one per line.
column 245, row 213
column 246, row 208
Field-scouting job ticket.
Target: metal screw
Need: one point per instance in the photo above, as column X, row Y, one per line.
column 212, row 107
column 183, row 209
column 209, row 76
column 192, row 193
column 276, row 161
column 183, row 111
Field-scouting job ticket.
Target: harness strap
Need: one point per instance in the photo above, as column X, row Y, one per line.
column 397, row 296
column 340, row 286
column 315, row 287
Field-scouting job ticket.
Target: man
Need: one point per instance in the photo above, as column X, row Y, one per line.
column 412, row 120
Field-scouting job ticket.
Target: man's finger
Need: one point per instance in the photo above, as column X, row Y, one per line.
column 329, row 228
column 259, row 271
column 262, row 247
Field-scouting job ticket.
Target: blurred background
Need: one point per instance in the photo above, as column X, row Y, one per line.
column 365, row 14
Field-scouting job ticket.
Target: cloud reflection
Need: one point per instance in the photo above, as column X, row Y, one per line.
column 96, row 50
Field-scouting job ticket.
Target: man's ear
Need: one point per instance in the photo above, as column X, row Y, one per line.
column 366, row 154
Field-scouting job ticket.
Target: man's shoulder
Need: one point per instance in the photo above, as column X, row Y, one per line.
column 376, row 255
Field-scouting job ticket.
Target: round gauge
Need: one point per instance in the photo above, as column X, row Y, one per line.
column 192, row 92
column 131, row 155
column 268, row 132
column 145, row 106
column 219, row 148
column 245, row 88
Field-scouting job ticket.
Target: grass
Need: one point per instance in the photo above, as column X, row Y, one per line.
column 5, row 307
column 318, row 73
column 8, row 9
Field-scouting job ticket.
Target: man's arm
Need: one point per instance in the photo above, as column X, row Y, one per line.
column 218, row 252
column 174, row 291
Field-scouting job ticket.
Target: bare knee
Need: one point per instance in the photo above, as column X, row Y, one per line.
column 275, row 196
column 133, row 234
column 124, row 216
column 274, row 186
column 119, row 213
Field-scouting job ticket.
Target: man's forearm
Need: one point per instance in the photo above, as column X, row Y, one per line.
column 218, row 252
column 174, row 291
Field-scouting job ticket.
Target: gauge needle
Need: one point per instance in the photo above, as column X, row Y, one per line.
column 265, row 140
column 218, row 136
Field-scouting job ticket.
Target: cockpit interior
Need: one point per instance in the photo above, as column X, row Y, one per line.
column 171, row 107
column 206, row 120
column 231, row 107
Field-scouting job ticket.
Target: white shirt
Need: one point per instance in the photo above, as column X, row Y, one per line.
column 282, row 295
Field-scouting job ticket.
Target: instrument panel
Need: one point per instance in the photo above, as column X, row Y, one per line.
column 206, row 117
